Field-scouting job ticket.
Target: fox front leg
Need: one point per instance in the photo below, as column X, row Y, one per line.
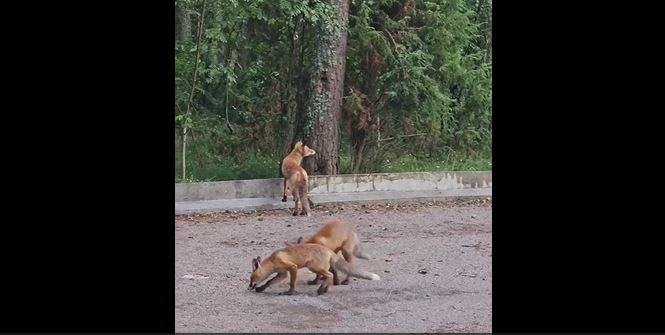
column 275, row 279
column 293, row 272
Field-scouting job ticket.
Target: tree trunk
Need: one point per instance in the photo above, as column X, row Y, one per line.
column 358, row 142
column 184, row 153
column 322, row 131
column 360, row 133
column 294, row 78
column 185, row 128
column 183, row 26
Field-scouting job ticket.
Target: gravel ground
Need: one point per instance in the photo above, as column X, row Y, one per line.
column 434, row 259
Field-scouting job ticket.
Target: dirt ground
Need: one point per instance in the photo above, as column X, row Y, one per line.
column 434, row 259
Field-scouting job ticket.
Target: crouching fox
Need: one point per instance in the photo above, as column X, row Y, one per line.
column 315, row 257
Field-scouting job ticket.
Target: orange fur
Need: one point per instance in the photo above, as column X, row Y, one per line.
column 288, row 260
column 337, row 237
column 296, row 179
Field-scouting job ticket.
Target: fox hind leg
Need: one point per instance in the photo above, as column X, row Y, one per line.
column 315, row 280
column 284, row 193
column 296, row 200
column 349, row 259
column 327, row 280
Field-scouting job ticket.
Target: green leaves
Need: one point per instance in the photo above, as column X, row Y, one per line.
column 184, row 121
column 425, row 66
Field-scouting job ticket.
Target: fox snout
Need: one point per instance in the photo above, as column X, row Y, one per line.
column 252, row 285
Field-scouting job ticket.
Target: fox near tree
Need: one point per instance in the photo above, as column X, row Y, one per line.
column 361, row 82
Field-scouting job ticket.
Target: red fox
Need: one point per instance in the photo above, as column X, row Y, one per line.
column 315, row 257
column 295, row 177
column 336, row 236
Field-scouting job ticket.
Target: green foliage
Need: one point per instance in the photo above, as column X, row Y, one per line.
column 431, row 66
column 424, row 67
column 254, row 166
column 410, row 163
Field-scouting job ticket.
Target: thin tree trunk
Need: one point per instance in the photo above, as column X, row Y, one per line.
column 360, row 134
column 191, row 94
column 295, row 74
column 184, row 33
column 184, row 152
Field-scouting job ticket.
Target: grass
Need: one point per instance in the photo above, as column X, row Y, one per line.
column 255, row 166
column 409, row 163
column 258, row 166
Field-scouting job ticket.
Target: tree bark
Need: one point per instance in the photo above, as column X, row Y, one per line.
column 322, row 131
column 360, row 132
column 294, row 78
column 183, row 26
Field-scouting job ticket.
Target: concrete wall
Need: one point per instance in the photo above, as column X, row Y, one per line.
column 272, row 188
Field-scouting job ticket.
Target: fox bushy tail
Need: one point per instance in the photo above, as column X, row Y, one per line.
column 357, row 250
column 342, row 265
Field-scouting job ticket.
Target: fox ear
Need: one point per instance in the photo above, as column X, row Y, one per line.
column 256, row 262
column 299, row 240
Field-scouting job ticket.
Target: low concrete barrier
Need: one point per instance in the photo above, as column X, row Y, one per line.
column 409, row 182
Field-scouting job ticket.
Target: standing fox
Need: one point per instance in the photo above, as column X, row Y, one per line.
column 295, row 177
column 336, row 236
column 316, row 258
